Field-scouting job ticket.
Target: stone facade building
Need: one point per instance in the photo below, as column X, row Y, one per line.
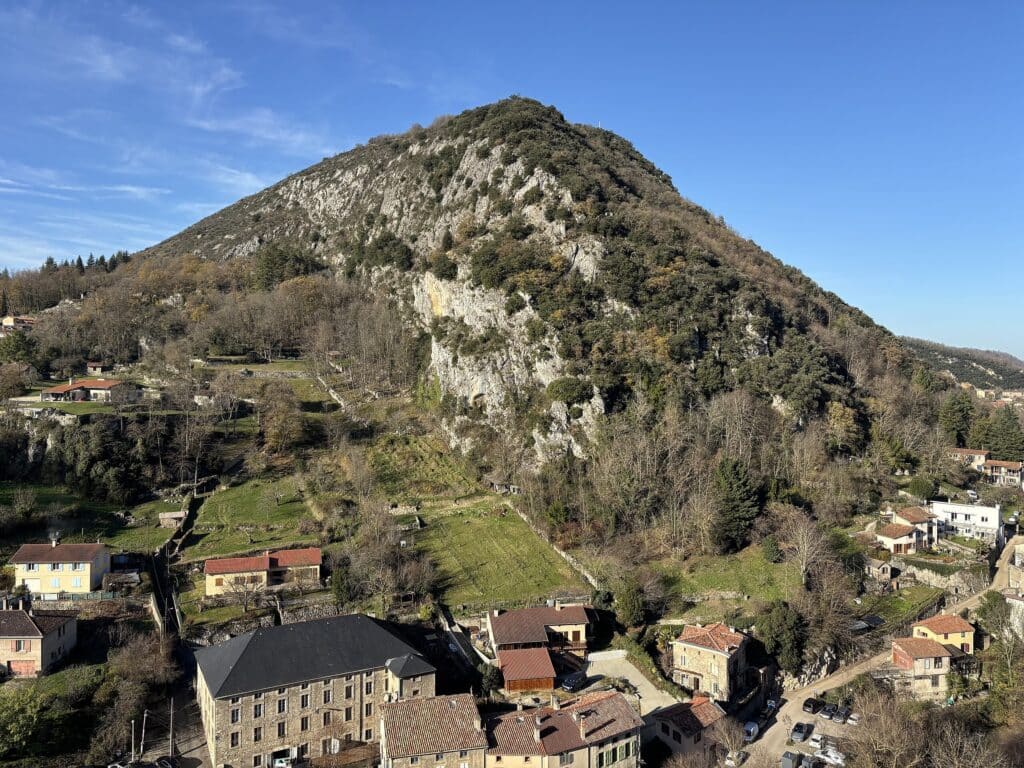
column 922, row 668
column 303, row 690
column 711, row 659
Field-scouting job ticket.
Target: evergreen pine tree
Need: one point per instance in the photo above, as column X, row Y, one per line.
column 956, row 416
column 5, row 304
column 738, row 505
column 79, row 265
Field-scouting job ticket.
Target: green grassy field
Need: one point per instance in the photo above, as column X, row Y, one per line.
column 897, row 607
column 412, row 467
column 218, row 531
column 486, row 553
column 81, row 520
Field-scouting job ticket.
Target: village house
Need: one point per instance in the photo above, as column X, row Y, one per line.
column 48, row 570
column 711, row 659
column 922, row 667
column 970, row 457
column 558, row 627
column 973, row 521
column 948, row 630
column 94, row 390
column 436, row 732
column 1006, row 473
column 527, row 669
column 304, row 690
column 95, row 368
column 688, row 727
column 597, row 730
column 899, row 539
column 879, row 570
column 271, row 569
column 32, row 641
column 16, row 323
column 921, row 519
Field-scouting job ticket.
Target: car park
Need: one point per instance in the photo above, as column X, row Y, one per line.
column 828, row 711
column 800, row 731
column 811, row 706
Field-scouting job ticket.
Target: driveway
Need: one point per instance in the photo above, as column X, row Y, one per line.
column 611, row 665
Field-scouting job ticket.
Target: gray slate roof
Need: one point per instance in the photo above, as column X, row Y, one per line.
column 277, row 657
column 19, row 623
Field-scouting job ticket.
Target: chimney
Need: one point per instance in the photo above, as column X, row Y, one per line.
column 54, row 539
column 477, row 722
column 519, row 706
column 536, row 728
column 583, row 726
column 555, row 703
column 558, row 605
column 5, row 603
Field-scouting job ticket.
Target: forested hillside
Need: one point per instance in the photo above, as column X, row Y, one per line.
column 985, row 369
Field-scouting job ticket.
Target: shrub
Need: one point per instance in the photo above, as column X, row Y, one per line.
column 570, row 391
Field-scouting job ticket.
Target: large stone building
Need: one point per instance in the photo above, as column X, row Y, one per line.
column 47, row 570
column 303, row 690
column 711, row 659
column 688, row 727
column 436, row 732
column 31, row 641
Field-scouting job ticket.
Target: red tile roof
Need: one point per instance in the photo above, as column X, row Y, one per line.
column 915, row 515
column 894, row 531
column 1004, row 464
column 529, row 625
column 715, row 637
column 61, row 389
column 19, row 623
column 590, row 719
column 283, row 558
column 692, row 717
column 944, row 623
column 921, row 647
column 526, row 664
column 62, row 553
column 971, row 452
column 431, row 726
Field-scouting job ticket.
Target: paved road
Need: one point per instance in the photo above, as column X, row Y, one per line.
column 651, row 698
column 773, row 740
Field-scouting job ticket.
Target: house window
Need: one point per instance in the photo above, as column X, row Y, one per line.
column 258, row 695
column 676, row 737
column 935, row 681
column 76, row 581
column 413, row 760
column 257, row 761
column 257, row 710
column 56, row 566
column 78, row 567
column 236, row 715
column 20, row 645
column 303, row 750
column 280, row 730
column 369, row 709
column 369, row 687
column 304, row 724
column 235, row 699
column 257, row 734
column 219, row 581
column 304, row 686
column 55, row 582
column 327, row 718
column 282, row 691
column 368, row 734
column 415, row 691
column 438, row 757
column 282, row 705
column 304, row 700
column 348, row 714
column 234, row 739
column 327, row 697
column 664, row 728
column 325, row 747
column 463, row 753
column 348, row 691
column 565, row 759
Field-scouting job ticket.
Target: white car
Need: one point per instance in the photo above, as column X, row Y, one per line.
column 853, row 719
column 735, row 759
column 832, row 756
column 817, row 741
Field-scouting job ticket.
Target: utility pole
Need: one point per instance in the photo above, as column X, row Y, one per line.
column 142, row 741
column 170, row 738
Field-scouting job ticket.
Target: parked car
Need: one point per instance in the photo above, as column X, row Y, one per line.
column 811, row 706
column 831, row 755
column 817, row 741
column 750, row 731
column 167, row 762
column 828, row 711
column 800, row 732
column 853, row 719
column 841, row 714
column 736, row 759
column 574, row 682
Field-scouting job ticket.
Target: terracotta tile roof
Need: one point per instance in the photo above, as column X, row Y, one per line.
column 971, row 452
column 894, row 531
column 61, row 389
column 914, row 515
column 529, row 625
column 920, row 647
column 692, row 717
column 943, row 623
column 526, row 664
column 588, row 720
column 62, row 553
column 20, row 623
column 715, row 637
column 283, row 558
column 1003, row 464
column 431, row 726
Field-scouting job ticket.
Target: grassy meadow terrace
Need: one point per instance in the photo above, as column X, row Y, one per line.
column 81, row 520
column 898, row 607
column 256, row 515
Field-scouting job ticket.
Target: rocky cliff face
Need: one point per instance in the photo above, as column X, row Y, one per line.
column 535, row 250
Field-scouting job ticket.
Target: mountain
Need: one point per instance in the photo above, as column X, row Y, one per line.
column 558, row 273
column 986, row 369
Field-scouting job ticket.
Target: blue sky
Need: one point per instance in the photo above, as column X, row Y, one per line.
column 875, row 145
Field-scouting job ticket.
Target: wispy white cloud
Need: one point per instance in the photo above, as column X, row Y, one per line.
column 266, row 127
column 234, row 180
